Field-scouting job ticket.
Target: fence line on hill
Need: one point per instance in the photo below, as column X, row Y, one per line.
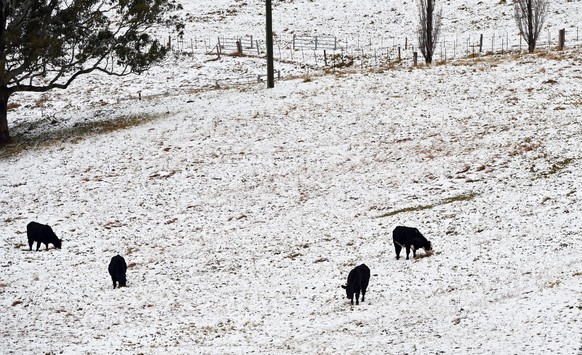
column 357, row 51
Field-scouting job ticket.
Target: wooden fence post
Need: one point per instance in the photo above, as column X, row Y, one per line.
column 415, row 57
column 493, row 43
column 315, row 56
column 561, row 39
column 481, row 43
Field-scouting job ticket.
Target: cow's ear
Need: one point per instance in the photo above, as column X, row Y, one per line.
column 343, row 286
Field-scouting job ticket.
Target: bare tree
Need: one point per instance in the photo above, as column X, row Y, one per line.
column 530, row 16
column 428, row 28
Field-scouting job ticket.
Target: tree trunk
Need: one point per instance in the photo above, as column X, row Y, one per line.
column 530, row 28
column 4, row 134
column 429, row 44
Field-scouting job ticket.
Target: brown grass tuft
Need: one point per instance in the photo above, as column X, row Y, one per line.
column 459, row 198
column 73, row 134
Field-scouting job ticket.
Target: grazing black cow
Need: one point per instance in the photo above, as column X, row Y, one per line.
column 409, row 238
column 117, row 269
column 358, row 280
column 41, row 233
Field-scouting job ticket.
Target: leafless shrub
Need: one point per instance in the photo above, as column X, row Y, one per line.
column 428, row 28
column 530, row 16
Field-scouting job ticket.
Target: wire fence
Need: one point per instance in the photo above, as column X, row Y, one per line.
column 356, row 51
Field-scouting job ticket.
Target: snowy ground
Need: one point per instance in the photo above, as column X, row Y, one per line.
column 241, row 211
column 368, row 33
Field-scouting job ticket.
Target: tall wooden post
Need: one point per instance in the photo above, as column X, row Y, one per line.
column 429, row 30
column 561, row 39
column 270, row 73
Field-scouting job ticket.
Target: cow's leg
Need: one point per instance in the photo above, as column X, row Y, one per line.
column 113, row 279
column 357, row 297
column 30, row 243
column 398, row 249
column 37, row 246
column 407, row 251
column 352, row 300
column 363, row 294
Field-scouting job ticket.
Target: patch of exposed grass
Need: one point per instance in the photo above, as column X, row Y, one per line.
column 74, row 134
column 554, row 284
column 551, row 54
column 460, row 198
column 131, row 250
column 557, row 167
column 528, row 145
column 294, row 256
column 448, row 200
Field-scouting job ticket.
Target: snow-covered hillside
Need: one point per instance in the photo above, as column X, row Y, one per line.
column 241, row 211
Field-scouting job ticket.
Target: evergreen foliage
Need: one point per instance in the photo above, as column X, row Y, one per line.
column 47, row 44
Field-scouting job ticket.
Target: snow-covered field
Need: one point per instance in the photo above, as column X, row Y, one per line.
column 242, row 210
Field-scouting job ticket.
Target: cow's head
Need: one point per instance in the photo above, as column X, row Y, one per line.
column 349, row 291
column 58, row 243
column 122, row 281
column 428, row 246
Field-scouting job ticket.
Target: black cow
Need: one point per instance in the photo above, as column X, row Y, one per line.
column 409, row 238
column 41, row 233
column 358, row 280
column 117, row 269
